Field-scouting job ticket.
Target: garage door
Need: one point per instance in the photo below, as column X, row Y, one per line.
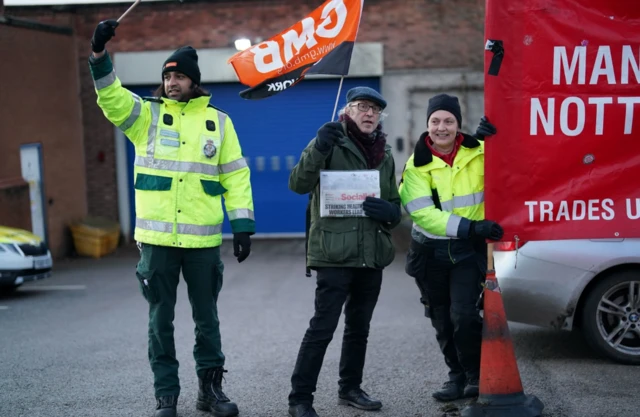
column 273, row 132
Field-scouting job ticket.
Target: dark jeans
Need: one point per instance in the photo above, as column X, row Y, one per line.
column 450, row 293
column 359, row 288
column 202, row 268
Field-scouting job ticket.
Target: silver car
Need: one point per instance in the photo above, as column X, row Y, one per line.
column 593, row 285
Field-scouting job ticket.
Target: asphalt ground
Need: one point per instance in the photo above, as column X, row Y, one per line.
column 76, row 345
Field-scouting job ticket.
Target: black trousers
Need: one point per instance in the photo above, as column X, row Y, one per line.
column 450, row 293
column 357, row 289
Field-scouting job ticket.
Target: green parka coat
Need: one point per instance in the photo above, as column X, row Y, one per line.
column 359, row 242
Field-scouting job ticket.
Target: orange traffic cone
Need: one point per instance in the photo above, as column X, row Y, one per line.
column 501, row 393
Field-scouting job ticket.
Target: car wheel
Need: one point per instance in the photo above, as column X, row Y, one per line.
column 611, row 317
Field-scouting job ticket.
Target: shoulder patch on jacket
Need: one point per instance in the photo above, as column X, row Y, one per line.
column 154, row 99
column 421, row 153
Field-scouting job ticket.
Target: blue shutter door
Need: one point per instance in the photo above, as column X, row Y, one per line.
column 273, row 132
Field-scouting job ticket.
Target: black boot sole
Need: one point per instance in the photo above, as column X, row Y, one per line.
column 203, row 406
column 445, row 398
column 175, row 413
column 359, row 406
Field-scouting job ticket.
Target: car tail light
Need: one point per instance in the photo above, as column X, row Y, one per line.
column 507, row 246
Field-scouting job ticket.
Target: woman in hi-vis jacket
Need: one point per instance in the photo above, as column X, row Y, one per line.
column 442, row 188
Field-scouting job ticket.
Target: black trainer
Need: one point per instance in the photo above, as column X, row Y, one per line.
column 359, row 399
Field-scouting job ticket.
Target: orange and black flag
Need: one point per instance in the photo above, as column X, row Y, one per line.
column 321, row 43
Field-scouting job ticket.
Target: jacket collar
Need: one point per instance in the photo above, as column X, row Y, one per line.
column 422, row 154
column 196, row 104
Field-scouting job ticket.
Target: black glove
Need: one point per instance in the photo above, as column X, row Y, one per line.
column 328, row 135
column 103, row 34
column 241, row 245
column 485, row 128
column 381, row 210
column 486, row 229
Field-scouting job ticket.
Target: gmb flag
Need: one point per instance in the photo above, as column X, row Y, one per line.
column 321, row 43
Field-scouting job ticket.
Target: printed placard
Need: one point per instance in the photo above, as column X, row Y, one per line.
column 343, row 192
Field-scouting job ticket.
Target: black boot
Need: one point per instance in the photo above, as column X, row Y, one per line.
column 472, row 389
column 210, row 395
column 359, row 399
column 450, row 391
column 302, row 410
column 166, row 406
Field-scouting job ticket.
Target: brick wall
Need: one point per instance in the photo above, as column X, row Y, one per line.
column 417, row 34
column 41, row 92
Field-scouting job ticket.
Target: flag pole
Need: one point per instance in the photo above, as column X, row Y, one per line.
column 335, row 107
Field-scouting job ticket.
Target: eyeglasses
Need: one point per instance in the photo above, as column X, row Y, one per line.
column 364, row 107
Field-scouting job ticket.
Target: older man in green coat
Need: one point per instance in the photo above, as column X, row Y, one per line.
column 348, row 253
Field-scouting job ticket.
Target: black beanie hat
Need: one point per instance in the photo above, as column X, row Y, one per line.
column 445, row 102
column 184, row 60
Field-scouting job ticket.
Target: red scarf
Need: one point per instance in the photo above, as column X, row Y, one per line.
column 371, row 145
column 449, row 157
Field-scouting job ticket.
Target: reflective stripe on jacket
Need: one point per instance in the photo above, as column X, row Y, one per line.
column 187, row 156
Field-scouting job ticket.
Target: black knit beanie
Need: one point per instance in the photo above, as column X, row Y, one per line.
column 445, row 102
column 184, row 60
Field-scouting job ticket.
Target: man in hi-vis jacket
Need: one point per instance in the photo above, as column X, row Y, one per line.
column 187, row 157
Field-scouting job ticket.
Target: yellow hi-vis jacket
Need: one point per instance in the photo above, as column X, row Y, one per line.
column 441, row 199
column 187, row 157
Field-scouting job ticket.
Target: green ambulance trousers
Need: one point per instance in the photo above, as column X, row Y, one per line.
column 158, row 274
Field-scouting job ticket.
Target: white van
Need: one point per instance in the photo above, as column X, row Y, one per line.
column 23, row 257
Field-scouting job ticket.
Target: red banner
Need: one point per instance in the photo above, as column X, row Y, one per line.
column 321, row 43
column 562, row 86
